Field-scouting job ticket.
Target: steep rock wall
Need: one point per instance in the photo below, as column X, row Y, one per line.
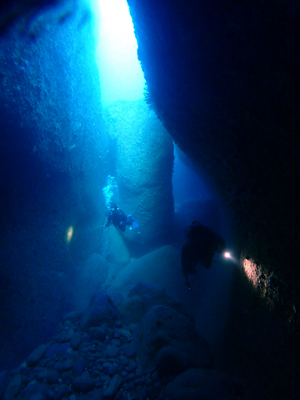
column 52, row 165
column 142, row 162
column 223, row 79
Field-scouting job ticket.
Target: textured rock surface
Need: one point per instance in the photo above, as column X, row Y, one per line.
column 100, row 310
column 224, row 81
column 155, row 268
column 161, row 327
column 170, row 361
column 105, row 367
column 144, row 164
column 219, row 81
column 161, row 269
column 52, row 167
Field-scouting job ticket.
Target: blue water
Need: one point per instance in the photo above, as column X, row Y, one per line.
column 58, row 148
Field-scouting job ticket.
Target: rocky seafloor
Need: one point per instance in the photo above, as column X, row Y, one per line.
column 142, row 347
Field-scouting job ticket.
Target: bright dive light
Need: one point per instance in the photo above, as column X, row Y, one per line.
column 227, row 254
column 70, row 234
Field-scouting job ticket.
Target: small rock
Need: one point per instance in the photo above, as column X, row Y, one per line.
column 52, row 377
column 40, row 376
column 38, row 396
column 37, row 354
column 130, row 350
column 62, row 337
column 72, row 316
column 112, row 351
column 111, row 371
column 110, row 392
column 116, row 342
column 66, row 365
column 70, row 334
column 57, row 349
column 105, row 378
column 79, row 367
column 131, row 366
column 97, row 333
column 124, row 360
column 125, row 333
column 14, row 387
column 170, row 362
column 63, row 391
column 84, row 383
column 75, row 341
column 139, row 381
column 33, row 387
column 107, row 364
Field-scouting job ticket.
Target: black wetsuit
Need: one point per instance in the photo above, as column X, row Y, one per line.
column 118, row 218
column 200, row 247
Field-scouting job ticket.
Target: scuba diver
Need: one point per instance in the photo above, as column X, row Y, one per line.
column 118, row 218
column 200, row 247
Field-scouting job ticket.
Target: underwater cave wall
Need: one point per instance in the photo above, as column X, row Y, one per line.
column 53, row 165
column 223, row 79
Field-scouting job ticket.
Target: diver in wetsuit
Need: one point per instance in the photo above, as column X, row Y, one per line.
column 200, row 247
column 118, row 218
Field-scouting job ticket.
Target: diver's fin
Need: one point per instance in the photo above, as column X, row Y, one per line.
column 132, row 221
column 134, row 224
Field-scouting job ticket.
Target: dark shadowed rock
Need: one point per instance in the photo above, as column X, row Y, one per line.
column 170, row 362
column 37, row 354
column 97, row 333
column 110, row 392
column 72, row 316
column 57, row 349
column 100, row 310
column 4, row 379
column 52, row 377
column 34, row 389
column 163, row 327
column 200, row 384
column 75, row 341
column 130, row 350
column 84, row 383
column 66, row 365
column 112, row 351
column 152, row 296
column 132, row 309
column 13, row 388
column 79, row 366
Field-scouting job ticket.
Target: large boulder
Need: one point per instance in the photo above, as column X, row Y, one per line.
column 160, row 268
column 208, row 300
column 170, row 362
column 163, row 327
column 100, row 310
column 142, row 297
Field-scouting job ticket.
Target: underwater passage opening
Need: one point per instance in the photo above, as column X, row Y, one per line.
column 120, row 72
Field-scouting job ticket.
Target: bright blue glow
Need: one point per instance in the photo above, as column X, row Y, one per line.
column 121, row 76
